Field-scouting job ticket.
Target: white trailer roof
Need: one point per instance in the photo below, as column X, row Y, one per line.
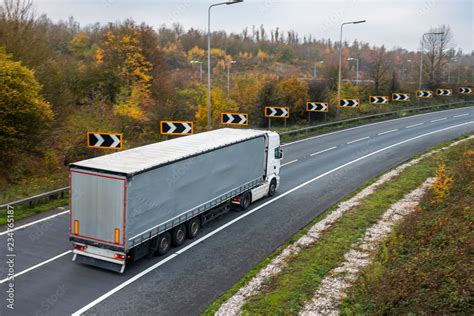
column 138, row 159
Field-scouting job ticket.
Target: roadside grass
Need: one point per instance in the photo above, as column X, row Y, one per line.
column 24, row 211
column 288, row 291
column 426, row 265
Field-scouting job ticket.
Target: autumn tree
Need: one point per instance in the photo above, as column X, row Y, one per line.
column 24, row 114
column 436, row 48
column 378, row 68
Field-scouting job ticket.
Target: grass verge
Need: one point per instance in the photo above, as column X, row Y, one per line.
column 287, row 292
column 24, row 211
column 425, row 266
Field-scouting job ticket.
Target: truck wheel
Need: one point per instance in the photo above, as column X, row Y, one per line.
column 245, row 200
column 193, row 227
column 178, row 235
column 273, row 187
column 164, row 243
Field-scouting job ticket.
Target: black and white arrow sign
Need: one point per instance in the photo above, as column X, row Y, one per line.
column 424, row 93
column 377, row 99
column 234, row 118
column 444, row 92
column 350, row 103
column 104, row 140
column 316, row 106
column 176, row 128
column 400, row 97
column 277, row 111
column 465, row 90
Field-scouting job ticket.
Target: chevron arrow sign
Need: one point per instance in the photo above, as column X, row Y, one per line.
column 402, row 97
column 317, row 106
column 104, row 140
column 444, row 92
column 277, row 111
column 377, row 99
column 349, row 103
column 235, row 118
column 465, row 90
column 424, row 94
column 176, row 127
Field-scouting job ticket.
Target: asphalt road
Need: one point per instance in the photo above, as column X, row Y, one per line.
column 316, row 173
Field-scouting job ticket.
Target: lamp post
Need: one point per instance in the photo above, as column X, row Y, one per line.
column 314, row 70
column 200, row 66
column 340, row 59
column 421, row 54
column 228, row 76
column 357, row 68
column 209, row 56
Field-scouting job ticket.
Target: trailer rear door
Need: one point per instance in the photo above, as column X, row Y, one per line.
column 97, row 204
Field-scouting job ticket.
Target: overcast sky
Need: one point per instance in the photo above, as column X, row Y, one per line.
column 398, row 23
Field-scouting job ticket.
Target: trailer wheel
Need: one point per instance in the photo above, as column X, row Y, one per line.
column 245, row 200
column 193, row 227
column 273, row 187
column 178, row 235
column 164, row 243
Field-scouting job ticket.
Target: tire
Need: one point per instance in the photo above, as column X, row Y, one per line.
column 164, row 243
column 178, row 235
column 245, row 200
column 272, row 188
column 193, row 226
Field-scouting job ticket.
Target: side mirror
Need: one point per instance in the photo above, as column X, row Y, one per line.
column 280, row 152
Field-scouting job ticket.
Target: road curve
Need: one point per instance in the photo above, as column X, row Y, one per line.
column 317, row 172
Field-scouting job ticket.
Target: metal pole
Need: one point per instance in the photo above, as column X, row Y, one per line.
column 340, row 65
column 228, row 79
column 449, row 72
column 200, row 69
column 357, row 71
column 314, row 71
column 269, row 123
column 421, row 61
column 209, row 68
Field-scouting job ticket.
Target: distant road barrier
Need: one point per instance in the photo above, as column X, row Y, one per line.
column 60, row 192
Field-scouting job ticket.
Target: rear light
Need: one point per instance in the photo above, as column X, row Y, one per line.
column 76, row 227
column 236, row 199
column 117, row 236
column 119, row 256
column 79, row 247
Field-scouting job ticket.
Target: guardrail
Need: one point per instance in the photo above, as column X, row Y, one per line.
column 29, row 200
column 360, row 118
column 61, row 191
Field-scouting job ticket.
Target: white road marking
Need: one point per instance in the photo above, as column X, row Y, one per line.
column 410, row 126
column 357, row 140
column 37, row 266
column 390, row 131
column 289, row 162
column 441, row 119
column 276, row 198
column 461, row 115
column 323, row 151
column 367, row 125
column 35, row 222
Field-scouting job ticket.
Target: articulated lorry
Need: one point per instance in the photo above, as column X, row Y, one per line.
column 140, row 202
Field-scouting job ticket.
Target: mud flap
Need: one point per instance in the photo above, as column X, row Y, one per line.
column 99, row 263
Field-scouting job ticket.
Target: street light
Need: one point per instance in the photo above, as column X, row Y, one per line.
column 200, row 66
column 421, row 54
column 209, row 57
column 314, row 70
column 340, row 58
column 228, row 76
column 357, row 68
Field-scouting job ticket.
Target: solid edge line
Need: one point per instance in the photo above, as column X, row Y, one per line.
column 36, row 266
column 371, row 124
column 323, row 151
column 390, row 131
column 156, row 265
column 287, row 163
column 357, row 140
column 32, row 223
